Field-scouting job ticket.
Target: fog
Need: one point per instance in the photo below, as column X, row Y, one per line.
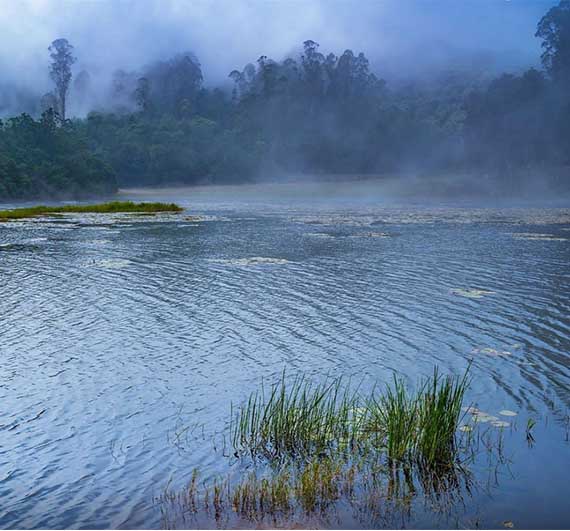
column 402, row 38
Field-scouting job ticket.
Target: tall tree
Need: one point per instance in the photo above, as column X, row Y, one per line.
column 61, row 53
column 554, row 30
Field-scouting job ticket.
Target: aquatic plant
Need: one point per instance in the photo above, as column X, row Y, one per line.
column 394, row 415
column 310, row 447
column 112, row 207
column 300, row 418
column 471, row 293
column 439, row 404
column 296, row 418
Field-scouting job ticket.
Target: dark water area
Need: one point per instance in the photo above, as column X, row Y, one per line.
column 124, row 339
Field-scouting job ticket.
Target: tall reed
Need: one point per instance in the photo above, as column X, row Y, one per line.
column 301, row 418
column 296, row 418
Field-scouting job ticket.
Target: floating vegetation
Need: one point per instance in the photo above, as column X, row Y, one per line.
column 471, row 293
column 537, row 236
column 112, row 207
column 371, row 235
column 484, row 417
column 507, row 413
column 323, row 235
column 11, row 247
column 254, row 260
column 491, row 352
column 201, row 218
column 99, row 242
column 500, row 424
column 480, row 417
column 111, row 263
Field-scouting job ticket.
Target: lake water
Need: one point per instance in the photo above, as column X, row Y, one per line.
column 124, row 339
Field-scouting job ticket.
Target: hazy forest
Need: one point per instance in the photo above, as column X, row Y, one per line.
column 318, row 113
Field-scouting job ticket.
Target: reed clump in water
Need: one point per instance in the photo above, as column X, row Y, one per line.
column 295, row 419
column 314, row 446
column 113, row 207
column 302, row 419
column 420, row 426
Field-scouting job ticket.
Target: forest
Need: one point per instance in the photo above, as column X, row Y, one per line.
column 316, row 114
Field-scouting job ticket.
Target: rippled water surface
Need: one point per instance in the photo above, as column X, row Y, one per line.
column 124, row 339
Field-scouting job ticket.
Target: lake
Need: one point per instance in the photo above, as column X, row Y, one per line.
column 125, row 339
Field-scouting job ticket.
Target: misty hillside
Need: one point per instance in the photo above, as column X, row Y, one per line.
column 315, row 110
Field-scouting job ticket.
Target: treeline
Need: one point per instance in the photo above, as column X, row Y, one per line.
column 318, row 113
column 43, row 158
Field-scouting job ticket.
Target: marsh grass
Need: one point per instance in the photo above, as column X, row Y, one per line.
column 299, row 418
column 440, row 401
column 303, row 419
column 312, row 448
column 101, row 208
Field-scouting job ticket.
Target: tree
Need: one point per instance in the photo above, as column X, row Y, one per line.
column 142, row 94
column 554, row 30
column 60, row 70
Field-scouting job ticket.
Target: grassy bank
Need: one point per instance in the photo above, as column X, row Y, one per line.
column 112, row 207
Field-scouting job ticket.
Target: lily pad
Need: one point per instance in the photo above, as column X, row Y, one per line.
column 471, row 293
column 466, row 428
column 491, row 352
column 111, row 263
column 484, row 417
column 507, row 413
column 537, row 236
column 500, row 424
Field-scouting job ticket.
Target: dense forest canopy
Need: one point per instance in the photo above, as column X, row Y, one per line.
column 316, row 113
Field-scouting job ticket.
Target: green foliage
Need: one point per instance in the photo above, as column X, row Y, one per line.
column 300, row 418
column 101, row 208
column 43, row 158
column 554, row 30
column 160, row 148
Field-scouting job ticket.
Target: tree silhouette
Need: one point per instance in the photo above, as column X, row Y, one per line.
column 60, row 70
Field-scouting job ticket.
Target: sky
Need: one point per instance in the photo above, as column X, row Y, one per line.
column 402, row 38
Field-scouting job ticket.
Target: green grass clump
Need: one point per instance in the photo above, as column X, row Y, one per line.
column 439, row 405
column 420, row 426
column 300, row 418
column 394, row 416
column 328, row 419
column 101, row 208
